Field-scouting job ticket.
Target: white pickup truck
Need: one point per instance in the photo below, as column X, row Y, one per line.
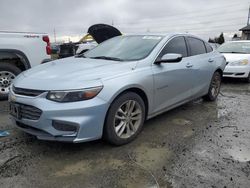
column 18, row 52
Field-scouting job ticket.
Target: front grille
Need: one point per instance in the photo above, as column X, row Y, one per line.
column 29, row 112
column 27, row 92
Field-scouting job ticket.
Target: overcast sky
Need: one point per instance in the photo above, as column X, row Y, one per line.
column 71, row 18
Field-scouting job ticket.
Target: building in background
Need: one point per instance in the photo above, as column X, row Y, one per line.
column 245, row 33
column 246, row 30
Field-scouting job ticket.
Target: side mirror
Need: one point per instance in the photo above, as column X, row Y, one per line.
column 170, row 58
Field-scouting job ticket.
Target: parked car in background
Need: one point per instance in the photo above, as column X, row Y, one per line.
column 67, row 50
column 55, row 48
column 111, row 90
column 84, row 47
column 87, row 42
column 237, row 54
column 19, row 52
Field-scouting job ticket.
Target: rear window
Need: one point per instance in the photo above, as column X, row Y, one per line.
column 208, row 48
column 196, row 46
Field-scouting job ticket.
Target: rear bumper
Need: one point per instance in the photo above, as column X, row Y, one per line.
column 236, row 71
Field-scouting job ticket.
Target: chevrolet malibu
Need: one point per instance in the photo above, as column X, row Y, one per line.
column 109, row 91
column 237, row 54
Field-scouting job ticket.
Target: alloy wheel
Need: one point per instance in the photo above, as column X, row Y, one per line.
column 6, row 79
column 127, row 119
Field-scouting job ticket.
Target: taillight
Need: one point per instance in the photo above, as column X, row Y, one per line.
column 48, row 48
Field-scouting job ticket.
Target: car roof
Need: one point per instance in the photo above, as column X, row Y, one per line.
column 168, row 35
column 163, row 34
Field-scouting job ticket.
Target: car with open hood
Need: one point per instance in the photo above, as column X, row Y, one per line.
column 101, row 32
column 108, row 92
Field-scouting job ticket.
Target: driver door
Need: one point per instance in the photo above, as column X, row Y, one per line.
column 172, row 81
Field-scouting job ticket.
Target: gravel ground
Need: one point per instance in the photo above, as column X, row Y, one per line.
column 199, row 144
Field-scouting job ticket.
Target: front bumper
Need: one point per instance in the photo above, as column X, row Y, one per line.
column 87, row 116
column 236, row 71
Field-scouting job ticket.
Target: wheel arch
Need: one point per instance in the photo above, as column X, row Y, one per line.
column 134, row 89
column 220, row 71
column 16, row 57
column 139, row 91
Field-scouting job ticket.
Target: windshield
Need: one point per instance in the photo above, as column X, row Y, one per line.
column 235, row 47
column 124, row 48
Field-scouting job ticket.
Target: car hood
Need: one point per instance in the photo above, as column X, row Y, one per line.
column 230, row 57
column 102, row 32
column 72, row 73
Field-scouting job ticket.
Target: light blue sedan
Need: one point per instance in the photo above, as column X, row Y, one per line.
column 110, row 91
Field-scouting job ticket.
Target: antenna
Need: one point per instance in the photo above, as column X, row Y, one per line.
column 55, row 35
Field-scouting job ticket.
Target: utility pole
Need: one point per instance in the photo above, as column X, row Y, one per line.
column 112, row 23
column 55, row 35
column 248, row 19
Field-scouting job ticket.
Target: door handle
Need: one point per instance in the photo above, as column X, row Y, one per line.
column 189, row 65
column 210, row 60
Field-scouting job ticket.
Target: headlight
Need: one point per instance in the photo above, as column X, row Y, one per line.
column 74, row 95
column 239, row 63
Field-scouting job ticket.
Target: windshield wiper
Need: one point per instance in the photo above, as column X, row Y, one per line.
column 80, row 55
column 107, row 58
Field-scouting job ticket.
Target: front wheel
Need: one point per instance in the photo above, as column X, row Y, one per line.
column 8, row 72
column 214, row 88
column 125, row 119
column 248, row 78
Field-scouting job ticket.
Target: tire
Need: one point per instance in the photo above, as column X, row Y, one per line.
column 214, row 88
column 8, row 72
column 123, row 124
column 248, row 78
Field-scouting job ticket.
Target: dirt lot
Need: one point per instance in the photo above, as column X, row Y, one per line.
column 199, row 144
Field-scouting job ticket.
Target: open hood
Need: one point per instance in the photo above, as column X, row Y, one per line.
column 102, row 32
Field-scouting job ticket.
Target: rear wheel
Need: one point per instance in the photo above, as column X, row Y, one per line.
column 214, row 88
column 125, row 119
column 8, row 72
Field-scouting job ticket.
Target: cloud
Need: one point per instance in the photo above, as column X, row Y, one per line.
column 72, row 18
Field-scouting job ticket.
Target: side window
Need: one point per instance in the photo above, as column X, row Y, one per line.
column 176, row 45
column 196, row 46
column 208, row 47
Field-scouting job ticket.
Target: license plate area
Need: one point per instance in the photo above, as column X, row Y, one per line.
column 15, row 110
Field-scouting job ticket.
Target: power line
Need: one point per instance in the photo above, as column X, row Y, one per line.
column 185, row 23
column 169, row 16
column 174, row 18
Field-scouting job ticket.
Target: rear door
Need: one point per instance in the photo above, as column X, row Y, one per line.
column 172, row 80
column 201, row 60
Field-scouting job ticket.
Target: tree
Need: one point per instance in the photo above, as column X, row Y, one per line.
column 211, row 40
column 221, row 39
column 235, row 36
